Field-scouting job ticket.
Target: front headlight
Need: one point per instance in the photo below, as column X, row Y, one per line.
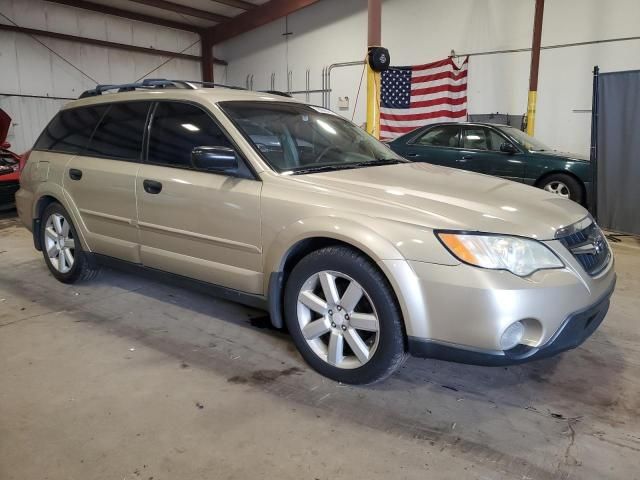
column 521, row 256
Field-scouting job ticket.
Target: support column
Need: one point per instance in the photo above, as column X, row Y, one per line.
column 535, row 63
column 206, row 45
column 373, row 78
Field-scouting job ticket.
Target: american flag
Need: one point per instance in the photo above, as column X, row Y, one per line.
column 421, row 94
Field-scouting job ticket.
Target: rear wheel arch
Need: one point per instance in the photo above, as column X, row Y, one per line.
column 38, row 209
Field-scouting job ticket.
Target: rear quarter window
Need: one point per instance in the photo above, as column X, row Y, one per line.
column 70, row 130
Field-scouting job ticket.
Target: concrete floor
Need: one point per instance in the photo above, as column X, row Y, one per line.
column 127, row 378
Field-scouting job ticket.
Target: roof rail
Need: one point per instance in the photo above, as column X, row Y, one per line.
column 164, row 83
column 145, row 84
column 210, row 84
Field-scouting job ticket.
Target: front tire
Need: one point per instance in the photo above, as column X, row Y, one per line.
column 343, row 316
column 564, row 185
column 61, row 247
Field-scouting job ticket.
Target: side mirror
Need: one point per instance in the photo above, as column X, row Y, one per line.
column 5, row 145
column 507, row 147
column 215, row 159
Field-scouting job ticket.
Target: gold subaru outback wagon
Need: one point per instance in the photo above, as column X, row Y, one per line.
column 364, row 256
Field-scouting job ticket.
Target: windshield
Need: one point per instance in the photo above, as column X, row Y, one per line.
column 296, row 138
column 525, row 140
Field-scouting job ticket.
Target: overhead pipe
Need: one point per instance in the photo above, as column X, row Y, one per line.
column 327, row 76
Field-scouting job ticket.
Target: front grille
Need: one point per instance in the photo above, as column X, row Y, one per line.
column 588, row 246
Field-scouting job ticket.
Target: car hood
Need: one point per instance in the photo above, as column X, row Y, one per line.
column 447, row 198
column 564, row 155
column 5, row 123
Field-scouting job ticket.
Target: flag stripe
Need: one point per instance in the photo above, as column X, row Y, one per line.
column 422, row 116
column 439, row 76
column 418, row 95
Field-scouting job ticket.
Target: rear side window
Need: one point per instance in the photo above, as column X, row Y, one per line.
column 176, row 129
column 70, row 130
column 119, row 134
column 445, row 136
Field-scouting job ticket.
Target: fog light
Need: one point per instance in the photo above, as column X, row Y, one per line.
column 512, row 336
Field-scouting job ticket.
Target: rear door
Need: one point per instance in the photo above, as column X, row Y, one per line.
column 195, row 223
column 101, row 181
column 438, row 145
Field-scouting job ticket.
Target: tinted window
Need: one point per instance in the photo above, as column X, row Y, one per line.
column 70, row 130
column 119, row 134
column 177, row 128
column 475, row 138
column 445, row 136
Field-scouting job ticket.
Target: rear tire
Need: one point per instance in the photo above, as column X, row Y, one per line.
column 352, row 334
column 564, row 185
column 62, row 249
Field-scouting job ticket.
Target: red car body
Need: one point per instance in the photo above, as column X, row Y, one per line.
column 10, row 165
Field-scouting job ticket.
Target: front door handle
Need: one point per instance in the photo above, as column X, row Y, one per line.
column 75, row 174
column 151, row 186
column 413, row 155
column 465, row 158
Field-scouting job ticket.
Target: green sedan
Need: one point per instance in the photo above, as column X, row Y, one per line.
column 499, row 150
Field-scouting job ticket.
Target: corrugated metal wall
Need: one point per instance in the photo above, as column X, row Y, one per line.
column 28, row 68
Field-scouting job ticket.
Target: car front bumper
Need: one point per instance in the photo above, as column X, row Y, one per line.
column 573, row 332
column 459, row 312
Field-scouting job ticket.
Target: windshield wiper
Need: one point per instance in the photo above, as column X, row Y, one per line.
column 346, row 166
column 382, row 161
column 325, row 168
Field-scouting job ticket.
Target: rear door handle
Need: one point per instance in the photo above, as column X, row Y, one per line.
column 465, row 158
column 151, row 186
column 75, row 174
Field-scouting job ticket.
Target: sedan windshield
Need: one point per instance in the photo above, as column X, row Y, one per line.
column 296, row 138
column 525, row 140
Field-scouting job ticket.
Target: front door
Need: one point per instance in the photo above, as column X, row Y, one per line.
column 481, row 153
column 101, row 181
column 192, row 222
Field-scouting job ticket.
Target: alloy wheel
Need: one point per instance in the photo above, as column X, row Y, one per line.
column 558, row 188
column 59, row 243
column 338, row 319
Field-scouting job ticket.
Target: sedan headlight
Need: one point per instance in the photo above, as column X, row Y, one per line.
column 520, row 256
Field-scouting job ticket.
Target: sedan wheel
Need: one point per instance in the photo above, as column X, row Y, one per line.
column 558, row 188
column 59, row 243
column 338, row 319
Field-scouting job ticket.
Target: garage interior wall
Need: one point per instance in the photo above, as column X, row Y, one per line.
column 420, row 31
column 28, row 70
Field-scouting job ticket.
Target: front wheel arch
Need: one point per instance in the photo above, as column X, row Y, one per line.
column 298, row 251
column 540, row 181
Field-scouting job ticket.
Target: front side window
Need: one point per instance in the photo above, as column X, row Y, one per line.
column 445, row 136
column 70, row 130
column 495, row 141
column 475, row 138
column 119, row 135
column 176, row 129
column 296, row 138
